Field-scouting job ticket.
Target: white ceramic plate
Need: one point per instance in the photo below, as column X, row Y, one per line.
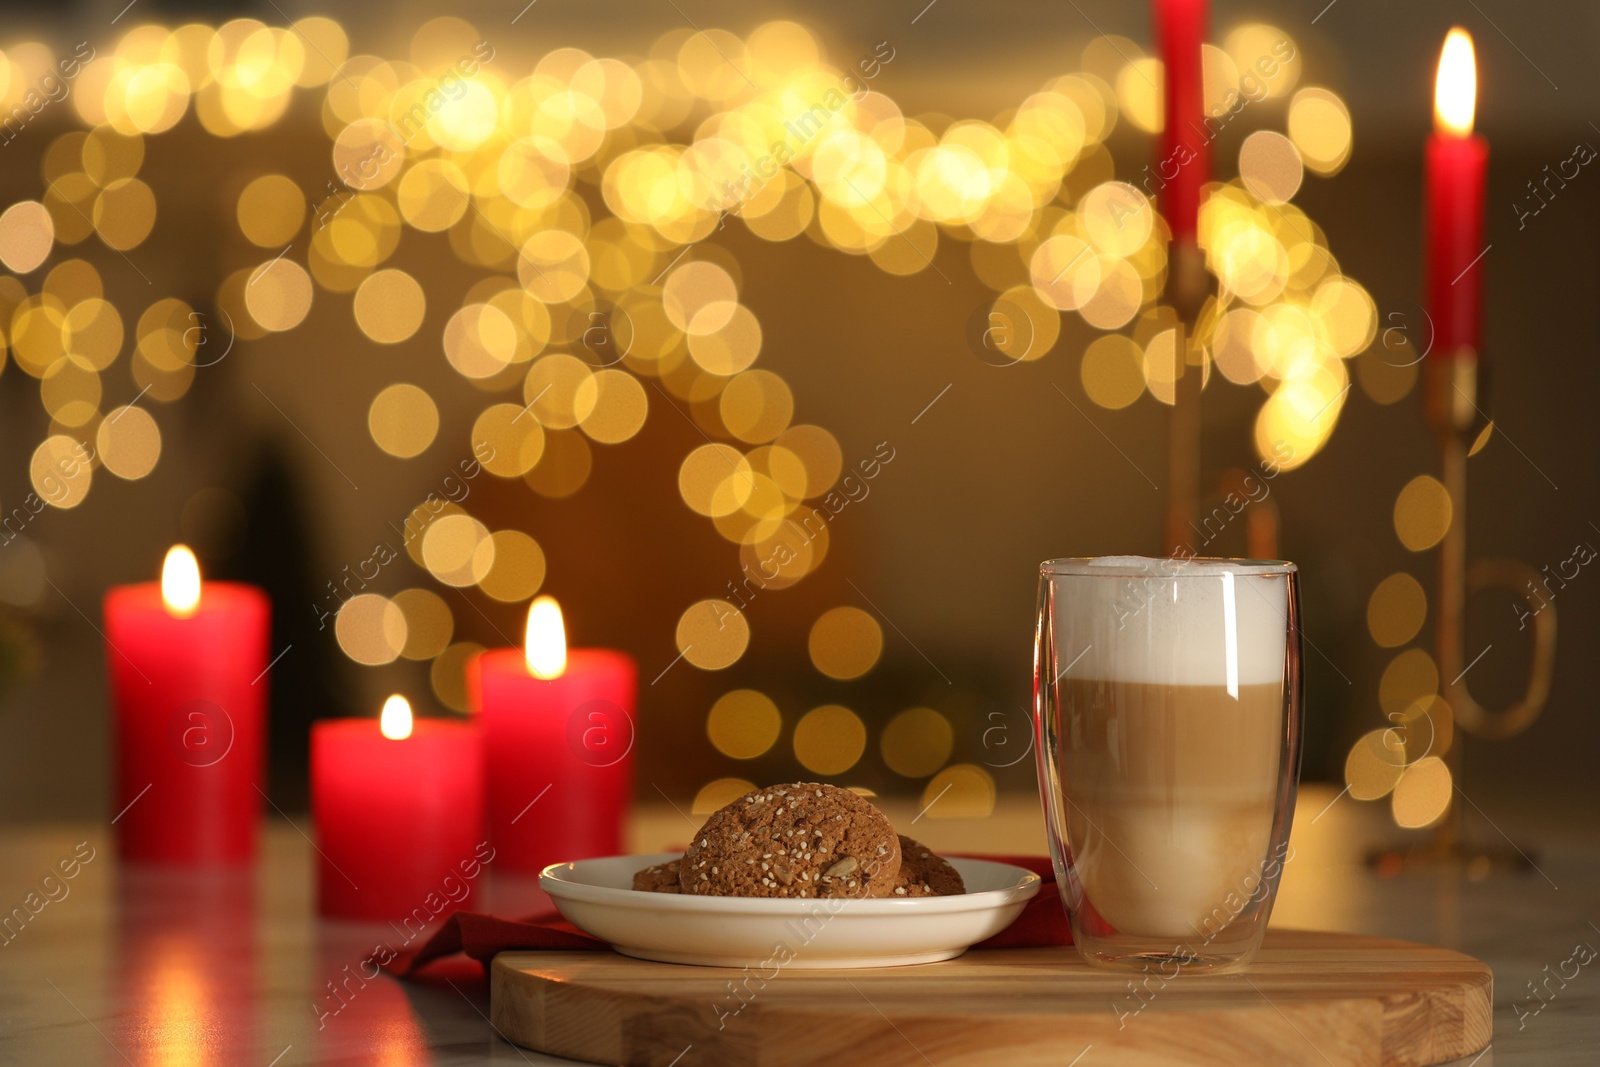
column 596, row 897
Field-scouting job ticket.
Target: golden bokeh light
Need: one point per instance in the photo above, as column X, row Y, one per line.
column 74, row 280
column 108, row 156
column 128, row 442
column 960, row 791
column 125, row 213
column 1422, row 513
column 744, row 724
column 1410, row 678
column 1233, row 346
column 555, row 392
column 508, row 440
column 70, row 391
column 719, row 793
column 518, row 568
column 1319, row 125
column 1116, row 218
column 818, row 450
column 27, row 234
column 715, row 480
column 278, row 294
column 92, row 330
column 457, row 550
column 429, row 623
column 1267, row 57
column 731, row 347
column 1423, row 794
column 371, row 629
column 1396, row 610
column 829, row 740
column 586, row 196
column 1375, row 763
column 917, row 742
column 845, row 642
column 1139, row 93
column 756, row 406
column 448, row 674
column 1387, row 372
column 480, row 341
column 389, row 306
column 1065, row 271
column 403, row 420
column 1115, row 301
column 699, row 297
column 61, row 471
column 1219, row 80
column 433, row 195
column 1429, row 729
column 1270, row 167
column 1113, row 371
column 712, row 634
column 271, row 211
column 1347, row 316
column 553, row 266
column 616, row 406
column 326, row 49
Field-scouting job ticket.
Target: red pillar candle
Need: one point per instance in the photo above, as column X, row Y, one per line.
column 558, row 726
column 398, row 807
column 187, row 663
column 1457, row 163
column 1185, row 162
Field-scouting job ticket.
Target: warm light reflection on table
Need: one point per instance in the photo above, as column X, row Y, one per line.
column 189, row 969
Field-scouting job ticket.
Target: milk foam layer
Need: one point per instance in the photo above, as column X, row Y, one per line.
column 1171, row 622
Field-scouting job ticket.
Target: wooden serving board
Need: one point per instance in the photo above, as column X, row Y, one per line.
column 1323, row 1000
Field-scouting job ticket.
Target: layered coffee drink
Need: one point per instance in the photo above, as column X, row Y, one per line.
column 1167, row 691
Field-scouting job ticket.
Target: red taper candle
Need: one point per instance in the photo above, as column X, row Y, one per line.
column 188, row 667
column 1184, row 164
column 558, row 726
column 1457, row 163
column 398, row 806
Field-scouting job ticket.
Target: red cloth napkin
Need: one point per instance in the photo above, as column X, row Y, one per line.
column 1042, row 922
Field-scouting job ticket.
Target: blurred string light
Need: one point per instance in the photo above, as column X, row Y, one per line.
column 575, row 314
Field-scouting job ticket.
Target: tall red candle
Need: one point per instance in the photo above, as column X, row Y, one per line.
column 1457, row 164
column 398, row 807
column 187, row 663
column 558, row 726
column 1185, row 161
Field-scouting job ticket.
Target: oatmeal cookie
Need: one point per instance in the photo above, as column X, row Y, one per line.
column 796, row 840
column 924, row 874
column 662, row 878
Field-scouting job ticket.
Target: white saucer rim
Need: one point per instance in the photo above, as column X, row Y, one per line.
column 1024, row 885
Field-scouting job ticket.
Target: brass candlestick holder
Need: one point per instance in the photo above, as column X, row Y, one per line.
column 1455, row 387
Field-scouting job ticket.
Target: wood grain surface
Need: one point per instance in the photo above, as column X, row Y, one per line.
column 1327, row 1000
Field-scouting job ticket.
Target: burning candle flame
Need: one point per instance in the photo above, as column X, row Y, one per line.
column 395, row 722
column 1455, row 92
column 545, row 642
column 180, row 582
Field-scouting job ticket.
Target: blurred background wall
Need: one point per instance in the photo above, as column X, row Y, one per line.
column 268, row 468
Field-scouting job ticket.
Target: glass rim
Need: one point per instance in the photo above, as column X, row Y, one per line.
column 1174, row 567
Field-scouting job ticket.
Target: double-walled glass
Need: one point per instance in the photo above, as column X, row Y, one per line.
column 1168, row 701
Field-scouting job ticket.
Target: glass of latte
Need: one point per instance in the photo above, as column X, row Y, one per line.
column 1168, row 701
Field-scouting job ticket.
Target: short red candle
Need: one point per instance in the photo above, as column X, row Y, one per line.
column 189, row 698
column 1184, row 165
column 1457, row 164
column 399, row 823
column 560, row 754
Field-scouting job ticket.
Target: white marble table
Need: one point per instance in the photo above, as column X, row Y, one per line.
column 139, row 968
